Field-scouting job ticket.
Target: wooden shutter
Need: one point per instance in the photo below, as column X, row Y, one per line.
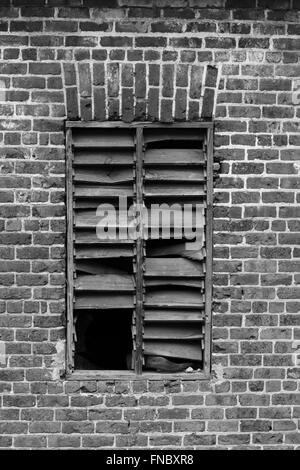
column 164, row 283
column 103, row 269
column 175, row 174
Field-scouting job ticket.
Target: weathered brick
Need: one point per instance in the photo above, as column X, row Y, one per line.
column 199, row 440
column 153, row 70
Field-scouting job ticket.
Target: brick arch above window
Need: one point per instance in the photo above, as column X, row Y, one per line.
column 138, row 91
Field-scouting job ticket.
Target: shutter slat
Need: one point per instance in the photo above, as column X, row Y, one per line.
column 97, row 252
column 166, row 190
column 102, row 138
column 171, row 332
column 88, row 219
column 158, row 136
column 171, row 174
column 113, row 301
column 171, row 315
column 103, row 158
column 111, row 282
column 174, row 157
column 90, row 237
column 93, row 202
column 172, row 267
column 103, row 191
column 174, row 297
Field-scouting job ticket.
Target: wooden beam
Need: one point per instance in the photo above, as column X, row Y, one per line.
column 142, row 124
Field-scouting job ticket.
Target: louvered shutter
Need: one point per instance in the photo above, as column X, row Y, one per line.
column 160, row 282
column 103, row 269
column 174, row 275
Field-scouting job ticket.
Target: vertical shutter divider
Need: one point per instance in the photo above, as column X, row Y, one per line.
column 70, row 254
column 139, row 255
column 209, row 247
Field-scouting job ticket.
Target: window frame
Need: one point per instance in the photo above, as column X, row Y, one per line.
column 75, row 374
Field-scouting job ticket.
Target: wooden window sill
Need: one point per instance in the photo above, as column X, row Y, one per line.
column 128, row 375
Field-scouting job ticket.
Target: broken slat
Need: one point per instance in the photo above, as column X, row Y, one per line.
column 104, row 177
column 110, row 282
column 179, row 350
column 98, row 252
column 103, row 301
column 94, row 267
column 103, row 138
column 170, row 156
column 164, row 365
column 103, row 191
column 163, row 315
column 103, row 157
column 174, row 174
column 172, row 267
column 174, row 282
column 169, row 332
column 191, row 250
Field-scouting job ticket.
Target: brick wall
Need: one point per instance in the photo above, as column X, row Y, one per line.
column 180, row 59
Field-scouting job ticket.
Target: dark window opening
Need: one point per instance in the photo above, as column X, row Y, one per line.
column 103, row 342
